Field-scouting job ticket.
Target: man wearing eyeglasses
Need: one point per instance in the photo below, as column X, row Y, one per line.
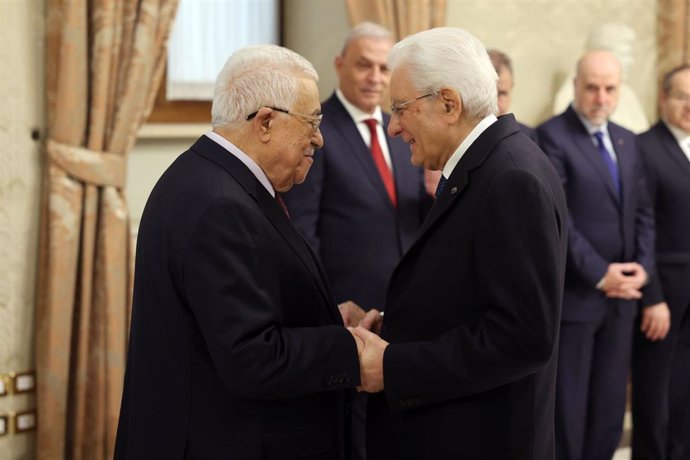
column 661, row 347
column 465, row 364
column 237, row 348
column 363, row 201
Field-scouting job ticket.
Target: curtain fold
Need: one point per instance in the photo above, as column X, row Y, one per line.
column 105, row 60
column 673, row 34
column 401, row 17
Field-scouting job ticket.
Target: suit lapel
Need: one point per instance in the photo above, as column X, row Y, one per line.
column 671, row 147
column 351, row 137
column 584, row 143
column 271, row 208
column 459, row 179
column 626, row 160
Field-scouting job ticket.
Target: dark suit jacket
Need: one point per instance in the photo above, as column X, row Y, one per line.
column 668, row 180
column 602, row 228
column 236, row 344
column 472, row 313
column 344, row 211
column 529, row 132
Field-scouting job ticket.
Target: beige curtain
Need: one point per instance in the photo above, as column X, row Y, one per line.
column 673, row 36
column 105, row 59
column 402, row 17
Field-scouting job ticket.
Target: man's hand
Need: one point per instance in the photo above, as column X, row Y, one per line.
column 656, row 321
column 351, row 313
column 370, row 360
column 372, row 321
column 624, row 280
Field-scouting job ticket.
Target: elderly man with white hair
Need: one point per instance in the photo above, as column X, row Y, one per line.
column 237, row 348
column 465, row 365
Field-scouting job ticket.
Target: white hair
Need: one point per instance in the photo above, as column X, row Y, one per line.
column 366, row 29
column 452, row 58
column 255, row 77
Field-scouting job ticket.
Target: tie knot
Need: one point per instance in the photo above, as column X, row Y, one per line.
column 371, row 123
column 599, row 135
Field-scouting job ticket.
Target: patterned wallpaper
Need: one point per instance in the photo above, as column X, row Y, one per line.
column 545, row 38
column 21, row 93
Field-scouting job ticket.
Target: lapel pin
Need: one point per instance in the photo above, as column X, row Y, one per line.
column 620, row 141
column 453, row 190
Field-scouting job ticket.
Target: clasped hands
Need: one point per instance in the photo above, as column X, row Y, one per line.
column 364, row 327
column 624, row 280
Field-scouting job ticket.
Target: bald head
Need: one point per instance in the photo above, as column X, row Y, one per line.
column 597, row 83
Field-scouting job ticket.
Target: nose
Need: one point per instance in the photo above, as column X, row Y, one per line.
column 601, row 96
column 394, row 127
column 317, row 139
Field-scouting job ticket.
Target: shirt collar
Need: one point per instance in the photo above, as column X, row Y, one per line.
column 592, row 128
column 466, row 143
column 357, row 114
column 244, row 158
column 681, row 136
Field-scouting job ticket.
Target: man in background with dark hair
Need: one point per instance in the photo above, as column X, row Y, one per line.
column 661, row 347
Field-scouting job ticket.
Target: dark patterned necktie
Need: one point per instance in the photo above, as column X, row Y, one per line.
column 441, row 184
column 280, row 201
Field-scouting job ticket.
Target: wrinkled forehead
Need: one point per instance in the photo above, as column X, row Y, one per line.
column 401, row 85
column 307, row 95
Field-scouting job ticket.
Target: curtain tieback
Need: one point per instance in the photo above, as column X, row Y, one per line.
column 98, row 168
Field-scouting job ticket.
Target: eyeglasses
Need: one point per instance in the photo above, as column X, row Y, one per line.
column 398, row 109
column 313, row 120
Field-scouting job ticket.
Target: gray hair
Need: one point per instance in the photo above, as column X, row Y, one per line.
column 366, row 30
column 255, row 77
column 452, row 58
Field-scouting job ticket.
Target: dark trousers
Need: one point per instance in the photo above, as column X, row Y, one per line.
column 661, row 392
column 358, row 403
column 593, row 365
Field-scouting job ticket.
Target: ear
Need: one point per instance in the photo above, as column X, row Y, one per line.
column 452, row 103
column 338, row 62
column 263, row 123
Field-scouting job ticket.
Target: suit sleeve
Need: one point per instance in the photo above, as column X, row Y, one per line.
column 519, row 253
column 652, row 293
column 304, row 202
column 583, row 257
column 233, row 272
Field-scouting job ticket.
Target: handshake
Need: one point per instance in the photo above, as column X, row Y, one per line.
column 365, row 327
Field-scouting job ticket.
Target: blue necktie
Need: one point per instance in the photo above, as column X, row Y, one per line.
column 441, row 183
column 610, row 164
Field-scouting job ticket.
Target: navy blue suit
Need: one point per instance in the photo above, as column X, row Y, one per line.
column 596, row 332
column 237, row 349
column 661, row 370
column 344, row 212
